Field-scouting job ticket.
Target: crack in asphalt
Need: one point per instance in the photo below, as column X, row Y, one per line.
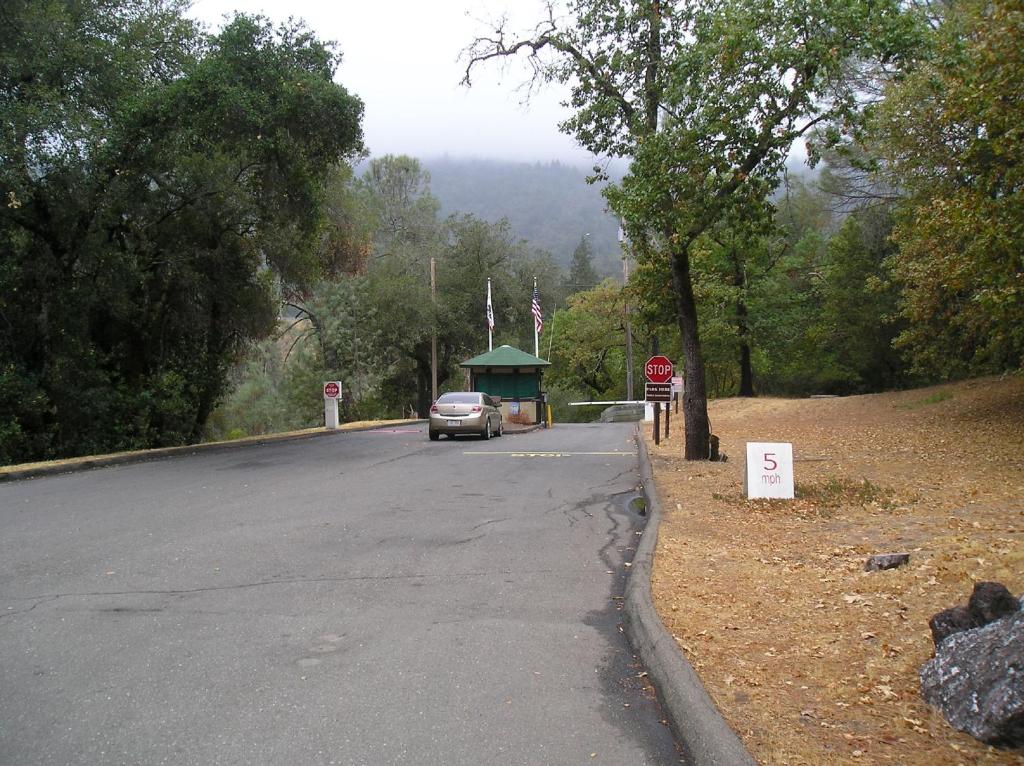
column 460, row 541
column 613, row 532
column 618, row 476
column 580, row 506
column 490, row 521
column 395, row 459
column 595, row 499
column 39, row 601
column 42, row 599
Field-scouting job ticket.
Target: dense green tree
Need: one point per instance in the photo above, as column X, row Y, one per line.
column 530, row 264
column 478, row 250
column 257, row 401
column 733, row 260
column 409, row 234
column 858, row 321
column 348, row 224
column 706, row 99
column 785, row 298
column 155, row 181
column 823, row 312
column 589, row 352
column 582, row 274
column 405, row 212
column 335, row 312
column 950, row 132
column 406, row 317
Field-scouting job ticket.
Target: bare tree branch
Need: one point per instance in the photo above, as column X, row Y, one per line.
column 485, row 49
column 301, row 336
column 288, row 329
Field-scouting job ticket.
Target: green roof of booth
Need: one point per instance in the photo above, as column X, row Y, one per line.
column 505, row 356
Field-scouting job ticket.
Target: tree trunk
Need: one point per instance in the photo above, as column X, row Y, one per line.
column 211, row 385
column 423, row 400
column 695, row 400
column 739, row 280
column 746, row 366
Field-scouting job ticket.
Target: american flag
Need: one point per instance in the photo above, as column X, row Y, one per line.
column 538, row 316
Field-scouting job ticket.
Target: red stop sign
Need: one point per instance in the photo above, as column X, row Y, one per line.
column 658, row 369
column 331, row 390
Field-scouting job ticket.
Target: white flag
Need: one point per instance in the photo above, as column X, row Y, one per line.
column 490, row 311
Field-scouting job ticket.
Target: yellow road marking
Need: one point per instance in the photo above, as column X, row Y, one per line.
column 551, row 454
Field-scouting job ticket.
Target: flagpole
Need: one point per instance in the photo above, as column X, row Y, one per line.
column 490, row 319
column 536, row 335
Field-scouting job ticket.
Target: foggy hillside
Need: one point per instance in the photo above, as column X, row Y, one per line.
column 550, row 205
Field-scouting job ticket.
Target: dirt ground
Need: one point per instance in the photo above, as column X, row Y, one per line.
column 811, row 660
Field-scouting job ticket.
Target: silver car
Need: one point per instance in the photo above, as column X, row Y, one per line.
column 465, row 412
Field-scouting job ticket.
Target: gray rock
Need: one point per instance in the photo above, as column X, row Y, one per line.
column 976, row 680
column 992, row 601
column 886, row 561
column 989, row 601
column 950, row 621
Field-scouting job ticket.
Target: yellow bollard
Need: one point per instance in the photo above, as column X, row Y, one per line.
column 550, row 420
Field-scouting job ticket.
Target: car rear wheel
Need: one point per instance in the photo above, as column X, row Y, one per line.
column 487, row 429
column 434, row 435
column 501, row 428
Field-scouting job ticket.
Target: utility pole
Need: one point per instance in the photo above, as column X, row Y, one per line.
column 657, row 405
column 629, row 326
column 433, row 334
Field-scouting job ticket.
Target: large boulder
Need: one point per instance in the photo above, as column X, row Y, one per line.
column 989, row 601
column 977, row 680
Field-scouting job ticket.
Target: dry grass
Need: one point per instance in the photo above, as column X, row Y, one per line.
column 812, row 660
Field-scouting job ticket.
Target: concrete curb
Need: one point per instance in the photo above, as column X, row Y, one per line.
column 34, row 470
column 526, row 430
column 699, row 728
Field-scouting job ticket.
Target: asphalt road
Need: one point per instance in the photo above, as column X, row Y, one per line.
column 362, row 598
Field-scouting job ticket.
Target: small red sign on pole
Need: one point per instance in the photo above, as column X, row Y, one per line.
column 658, row 369
column 331, row 390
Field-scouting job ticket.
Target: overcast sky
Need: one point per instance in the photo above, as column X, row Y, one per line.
column 401, row 57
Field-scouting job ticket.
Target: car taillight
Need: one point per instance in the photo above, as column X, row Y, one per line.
column 433, row 408
column 476, row 408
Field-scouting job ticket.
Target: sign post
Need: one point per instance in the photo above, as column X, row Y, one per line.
column 332, row 392
column 769, row 472
column 677, row 388
column 658, row 371
column 668, row 415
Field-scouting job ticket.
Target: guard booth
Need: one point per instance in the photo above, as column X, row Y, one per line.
column 515, row 376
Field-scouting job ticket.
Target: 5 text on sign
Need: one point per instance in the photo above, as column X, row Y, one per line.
column 769, row 472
